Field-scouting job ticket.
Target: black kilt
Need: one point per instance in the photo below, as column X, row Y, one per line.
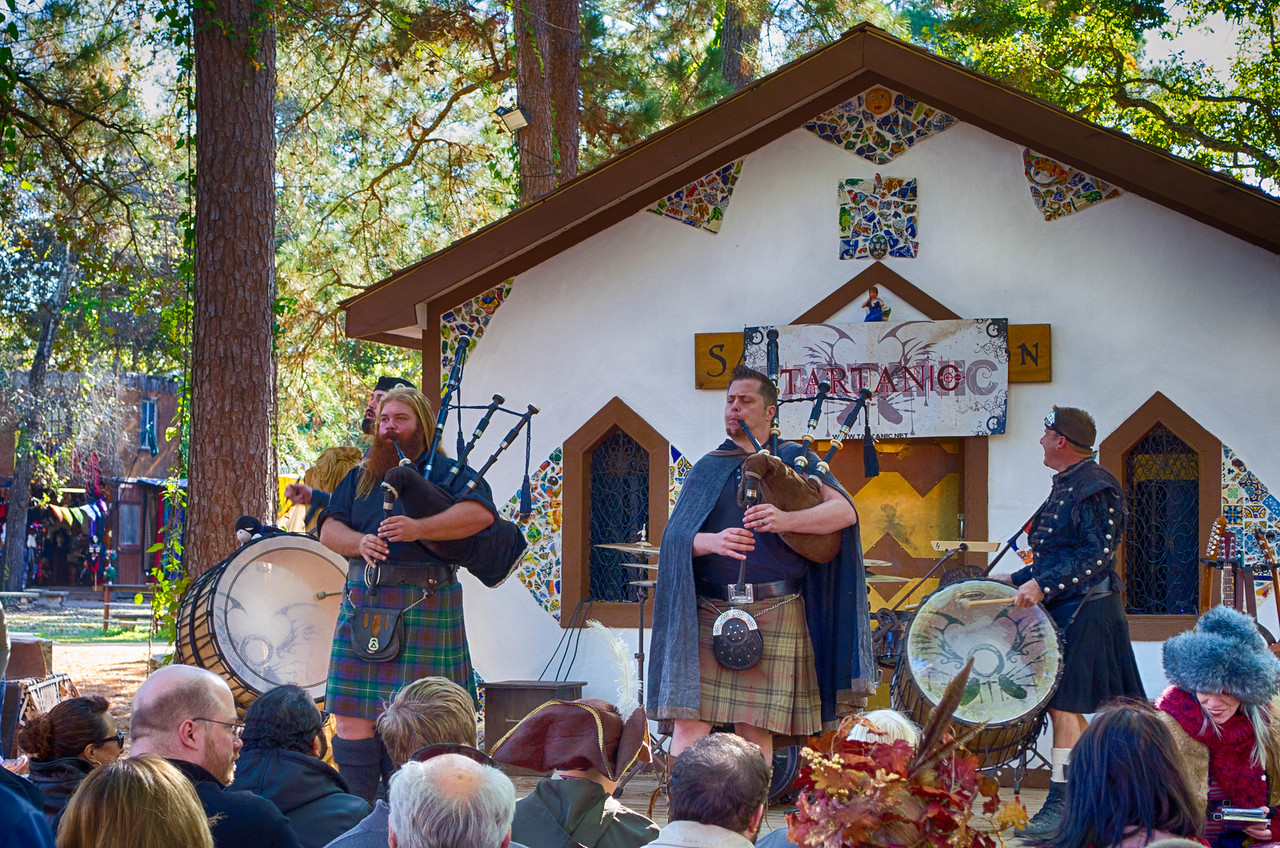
column 1098, row 662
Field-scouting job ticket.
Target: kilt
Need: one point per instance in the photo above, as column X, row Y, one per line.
column 779, row 693
column 1098, row 663
column 435, row 646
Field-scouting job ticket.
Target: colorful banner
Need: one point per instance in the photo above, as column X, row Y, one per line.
column 928, row 378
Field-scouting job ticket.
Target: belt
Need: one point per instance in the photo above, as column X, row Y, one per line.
column 425, row 575
column 753, row 591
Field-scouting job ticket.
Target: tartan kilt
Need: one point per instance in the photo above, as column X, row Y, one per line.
column 779, row 693
column 435, row 646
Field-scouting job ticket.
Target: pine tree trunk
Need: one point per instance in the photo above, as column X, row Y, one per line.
column 25, row 449
column 739, row 35
column 232, row 470
column 533, row 93
column 565, row 31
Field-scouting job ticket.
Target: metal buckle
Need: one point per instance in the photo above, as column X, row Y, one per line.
column 747, row 594
column 370, row 576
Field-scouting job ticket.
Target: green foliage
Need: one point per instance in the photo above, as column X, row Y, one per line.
column 1089, row 57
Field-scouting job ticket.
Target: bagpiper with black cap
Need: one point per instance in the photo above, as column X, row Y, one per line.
column 1074, row 536
column 1221, row 711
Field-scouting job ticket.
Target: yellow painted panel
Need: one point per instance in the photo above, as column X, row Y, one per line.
column 888, row 504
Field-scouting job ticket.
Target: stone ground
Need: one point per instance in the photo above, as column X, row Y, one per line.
column 114, row 670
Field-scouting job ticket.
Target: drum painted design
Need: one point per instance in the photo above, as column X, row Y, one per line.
column 255, row 620
column 1017, row 662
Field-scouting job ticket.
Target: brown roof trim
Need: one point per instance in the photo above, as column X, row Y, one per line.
column 767, row 110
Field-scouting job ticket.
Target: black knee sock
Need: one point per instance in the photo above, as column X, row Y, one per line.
column 385, row 766
column 359, row 762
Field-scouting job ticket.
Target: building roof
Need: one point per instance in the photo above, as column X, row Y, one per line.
column 765, row 111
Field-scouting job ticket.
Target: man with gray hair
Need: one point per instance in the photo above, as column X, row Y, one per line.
column 187, row 715
column 717, row 793
column 450, row 801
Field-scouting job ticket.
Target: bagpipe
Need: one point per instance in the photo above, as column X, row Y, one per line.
column 766, row 478
column 492, row 554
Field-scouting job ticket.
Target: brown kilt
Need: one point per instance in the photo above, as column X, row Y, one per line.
column 779, row 693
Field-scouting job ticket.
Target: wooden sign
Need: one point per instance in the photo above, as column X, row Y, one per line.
column 1030, row 356
column 714, row 358
column 1030, row 353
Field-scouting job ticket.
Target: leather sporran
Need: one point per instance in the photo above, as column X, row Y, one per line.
column 377, row 633
column 736, row 640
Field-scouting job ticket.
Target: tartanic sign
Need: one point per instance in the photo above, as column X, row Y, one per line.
column 1030, row 356
column 714, row 357
column 1030, row 353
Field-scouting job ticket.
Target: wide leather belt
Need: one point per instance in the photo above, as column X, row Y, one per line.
column 754, row 591
column 425, row 575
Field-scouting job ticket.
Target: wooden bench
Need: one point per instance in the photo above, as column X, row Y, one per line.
column 21, row 600
column 52, row 598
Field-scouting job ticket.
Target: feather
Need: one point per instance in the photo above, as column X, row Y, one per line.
column 628, row 676
column 931, row 750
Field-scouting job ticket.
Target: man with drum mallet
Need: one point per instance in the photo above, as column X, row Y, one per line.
column 301, row 493
column 1074, row 536
column 401, row 614
column 812, row 616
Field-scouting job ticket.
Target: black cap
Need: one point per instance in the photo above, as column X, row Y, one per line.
column 386, row 384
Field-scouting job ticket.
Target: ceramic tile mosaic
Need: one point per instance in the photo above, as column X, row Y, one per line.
column 677, row 471
column 539, row 571
column 1059, row 189
column 468, row 320
column 702, row 203
column 1248, row 505
column 878, row 218
column 879, row 124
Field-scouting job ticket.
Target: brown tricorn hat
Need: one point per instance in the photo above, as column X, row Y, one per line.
column 582, row 734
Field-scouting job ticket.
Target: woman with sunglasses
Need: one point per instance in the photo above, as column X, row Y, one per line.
column 284, row 741
column 65, row 744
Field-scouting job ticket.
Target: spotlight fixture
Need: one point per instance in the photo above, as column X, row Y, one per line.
column 512, row 118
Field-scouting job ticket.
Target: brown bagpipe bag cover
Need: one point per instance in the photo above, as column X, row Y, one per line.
column 789, row 490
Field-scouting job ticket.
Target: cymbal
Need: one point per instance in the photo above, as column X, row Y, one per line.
column 877, row 563
column 886, row 578
column 643, row 584
column 643, row 548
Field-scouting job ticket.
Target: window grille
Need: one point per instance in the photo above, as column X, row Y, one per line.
column 1162, row 476
column 619, row 510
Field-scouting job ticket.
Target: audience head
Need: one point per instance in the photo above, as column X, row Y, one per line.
column 139, row 802
column 331, row 466
column 427, row 712
column 77, row 727
column 187, row 713
column 885, row 727
column 586, row 738
column 1125, row 773
column 285, row 718
column 450, row 801
column 722, row 780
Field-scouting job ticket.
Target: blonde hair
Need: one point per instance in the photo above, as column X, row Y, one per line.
column 885, row 726
column 139, row 802
column 417, row 402
column 427, row 711
column 331, row 466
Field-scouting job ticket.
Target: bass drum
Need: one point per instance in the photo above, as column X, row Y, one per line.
column 1017, row 662
column 255, row 619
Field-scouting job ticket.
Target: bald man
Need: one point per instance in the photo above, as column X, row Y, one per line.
column 187, row 716
column 448, row 801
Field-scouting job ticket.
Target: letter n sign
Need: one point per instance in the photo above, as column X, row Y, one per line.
column 1030, row 353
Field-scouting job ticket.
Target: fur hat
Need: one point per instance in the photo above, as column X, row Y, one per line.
column 582, row 734
column 1225, row 653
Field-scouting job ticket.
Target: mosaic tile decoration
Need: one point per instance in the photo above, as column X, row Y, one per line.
column 878, row 218
column 1248, row 505
column 702, row 203
column 677, row 471
column 468, row 320
column 539, row 570
column 1059, row 189
column 879, row 124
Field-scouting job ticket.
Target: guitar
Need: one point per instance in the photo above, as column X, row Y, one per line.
column 1269, row 555
column 1220, row 553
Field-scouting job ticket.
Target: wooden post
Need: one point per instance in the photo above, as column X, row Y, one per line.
column 106, row 607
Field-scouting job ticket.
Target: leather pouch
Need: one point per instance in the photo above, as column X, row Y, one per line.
column 377, row 633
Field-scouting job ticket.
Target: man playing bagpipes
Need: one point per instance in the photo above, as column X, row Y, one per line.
column 401, row 615
column 811, row 616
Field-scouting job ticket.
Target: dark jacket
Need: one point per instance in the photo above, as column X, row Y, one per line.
column 578, row 814
column 21, row 824
column 307, row 790
column 57, row 779
column 244, row 818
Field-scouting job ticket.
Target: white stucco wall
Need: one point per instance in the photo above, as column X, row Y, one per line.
column 1140, row 299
